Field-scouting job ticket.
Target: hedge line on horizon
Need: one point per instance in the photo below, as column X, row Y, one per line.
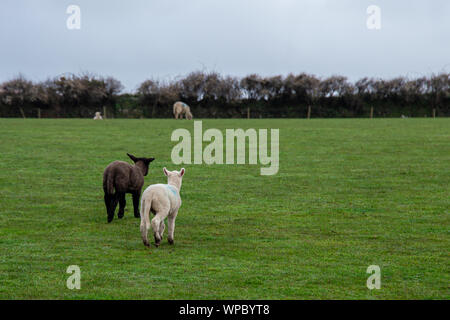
column 212, row 95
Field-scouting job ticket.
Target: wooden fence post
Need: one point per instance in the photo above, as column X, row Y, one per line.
column 248, row 113
column 39, row 113
column 371, row 112
column 22, row 113
column 309, row 112
column 104, row 112
column 434, row 113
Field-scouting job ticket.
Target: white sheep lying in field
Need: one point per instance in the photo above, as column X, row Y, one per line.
column 98, row 116
column 164, row 201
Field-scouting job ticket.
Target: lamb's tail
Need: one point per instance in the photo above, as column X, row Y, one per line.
column 109, row 184
column 146, row 205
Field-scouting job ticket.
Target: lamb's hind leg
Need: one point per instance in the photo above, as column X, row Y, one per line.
column 114, row 200
column 162, row 226
column 136, row 196
column 108, row 204
column 171, row 226
column 145, row 222
column 156, row 223
column 122, row 203
column 144, row 232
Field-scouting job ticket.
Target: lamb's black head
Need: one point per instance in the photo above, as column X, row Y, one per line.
column 142, row 162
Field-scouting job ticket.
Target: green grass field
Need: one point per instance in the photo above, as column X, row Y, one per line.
column 349, row 194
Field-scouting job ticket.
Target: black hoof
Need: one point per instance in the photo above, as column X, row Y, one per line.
column 110, row 219
column 146, row 244
column 170, row 241
column 137, row 215
column 120, row 216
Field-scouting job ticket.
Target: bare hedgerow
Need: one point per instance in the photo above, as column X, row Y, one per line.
column 210, row 94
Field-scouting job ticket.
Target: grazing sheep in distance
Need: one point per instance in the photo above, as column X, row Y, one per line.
column 122, row 177
column 163, row 200
column 180, row 108
column 98, row 116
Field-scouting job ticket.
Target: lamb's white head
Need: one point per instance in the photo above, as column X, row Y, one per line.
column 174, row 178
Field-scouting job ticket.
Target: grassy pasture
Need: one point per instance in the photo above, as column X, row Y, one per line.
column 349, row 194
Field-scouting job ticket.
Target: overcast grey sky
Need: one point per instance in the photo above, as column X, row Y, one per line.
column 139, row 39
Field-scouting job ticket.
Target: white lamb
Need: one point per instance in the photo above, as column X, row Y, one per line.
column 163, row 200
column 98, row 116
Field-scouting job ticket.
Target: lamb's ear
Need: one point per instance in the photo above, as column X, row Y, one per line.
column 182, row 172
column 165, row 171
column 132, row 157
column 148, row 160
